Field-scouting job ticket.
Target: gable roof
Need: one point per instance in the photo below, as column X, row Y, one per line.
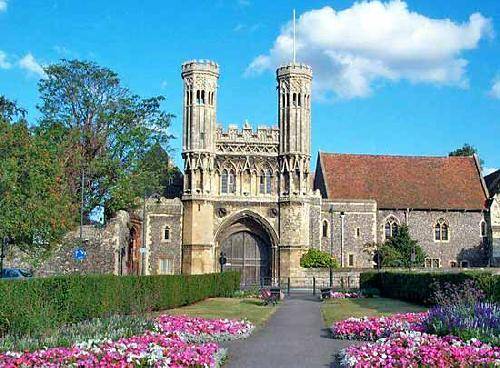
column 403, row 181
column 493, row 182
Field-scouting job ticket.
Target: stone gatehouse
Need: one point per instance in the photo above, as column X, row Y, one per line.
column 250, row 193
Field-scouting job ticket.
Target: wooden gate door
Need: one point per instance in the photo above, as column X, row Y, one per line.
column 249, row 254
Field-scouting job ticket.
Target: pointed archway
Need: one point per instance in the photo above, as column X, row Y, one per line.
column 250, row 246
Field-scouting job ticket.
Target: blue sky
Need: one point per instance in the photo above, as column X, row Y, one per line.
column 413, row 78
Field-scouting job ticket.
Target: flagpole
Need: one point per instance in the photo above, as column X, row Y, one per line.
column 294, row 53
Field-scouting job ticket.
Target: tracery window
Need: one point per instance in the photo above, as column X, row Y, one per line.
column 268, row 182
column 391, row 227
column 441, row 231
column 224, row 180
column 231, row 182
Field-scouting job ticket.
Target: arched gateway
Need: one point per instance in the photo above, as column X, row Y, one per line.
column 248, row 242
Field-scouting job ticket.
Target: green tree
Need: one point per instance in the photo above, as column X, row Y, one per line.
column 397, row 251
column 35, row 210
column 164, row 175
column 103, row 129
column 466, row 150
column 315, row 258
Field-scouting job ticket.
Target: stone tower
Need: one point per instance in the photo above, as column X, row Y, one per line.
column 294, row 117
column 198, row 151
column 200, row 106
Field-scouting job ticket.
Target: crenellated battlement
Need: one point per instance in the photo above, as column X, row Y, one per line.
column 247, row 134
column 200, row 66
column 294, row 68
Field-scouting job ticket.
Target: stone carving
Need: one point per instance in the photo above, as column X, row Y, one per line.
column 221, row 212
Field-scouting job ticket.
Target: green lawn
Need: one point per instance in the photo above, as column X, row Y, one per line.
column 233, row 308
column 339, row 309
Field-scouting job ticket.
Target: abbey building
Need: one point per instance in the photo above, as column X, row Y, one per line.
column 250, row 193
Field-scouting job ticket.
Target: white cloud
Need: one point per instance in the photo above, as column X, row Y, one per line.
column 351, row 49
column 29, row 63
column 489, row 170
column 495, row 88
column 3, row 5
column 4, row 64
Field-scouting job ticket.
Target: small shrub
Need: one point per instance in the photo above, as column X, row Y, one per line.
column 315, row 258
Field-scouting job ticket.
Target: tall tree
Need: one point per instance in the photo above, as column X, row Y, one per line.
column 466, row 150
column 103, row 129
column 397, row 251
column 35, row 210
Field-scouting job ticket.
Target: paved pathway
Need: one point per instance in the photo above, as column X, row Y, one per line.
column 294, row 336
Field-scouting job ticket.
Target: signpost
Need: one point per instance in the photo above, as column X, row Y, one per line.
column 79, row 254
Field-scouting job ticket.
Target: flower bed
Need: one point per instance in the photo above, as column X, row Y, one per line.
column 177, row 341
column 341, row 295
column 199, row 329
column 416, row 349
column 372, row 328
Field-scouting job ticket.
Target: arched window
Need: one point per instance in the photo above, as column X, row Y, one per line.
column 299, row 99
column 483, row 231
column 262, row 183
column 441, row 230
column 166, row 233
column 232, row 182
column 325, row 229
column 391, row 227
column 268, row 182
column 203, row 97
column 294, row 99
column 224, row 182
column 198, row 97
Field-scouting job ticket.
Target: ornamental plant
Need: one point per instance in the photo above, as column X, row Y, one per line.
column 373, row 328
column 342, row 295
column 479, row 321
column 460, row 311
column 315, row 258
column 175, row 342
column 413, row 349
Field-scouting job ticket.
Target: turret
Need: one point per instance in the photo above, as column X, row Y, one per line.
column 294, row 115
column 199, row 124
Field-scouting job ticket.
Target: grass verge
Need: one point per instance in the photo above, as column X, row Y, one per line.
column 232, row 308
column 339, row 309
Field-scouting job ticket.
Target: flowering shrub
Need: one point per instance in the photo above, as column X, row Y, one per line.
column 148, row 350
column 177, row 341
column 195, row 329
column 479, row 320
column 341, row 295
column 372, row 328
column 416, row 349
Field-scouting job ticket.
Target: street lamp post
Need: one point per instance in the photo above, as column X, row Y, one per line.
column 342, row 216
column 331, row 244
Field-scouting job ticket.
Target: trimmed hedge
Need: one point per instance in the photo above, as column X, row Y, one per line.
column 35, row 305
column 416, row 286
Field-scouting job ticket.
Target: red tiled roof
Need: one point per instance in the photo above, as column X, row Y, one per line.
column 404, row 181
